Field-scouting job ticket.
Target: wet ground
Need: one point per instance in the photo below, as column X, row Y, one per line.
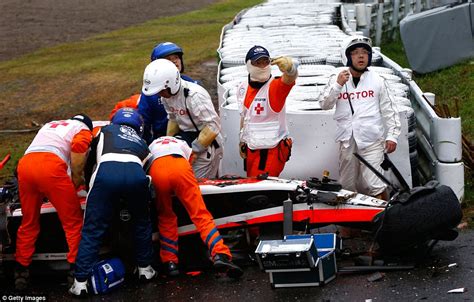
column 431, row 281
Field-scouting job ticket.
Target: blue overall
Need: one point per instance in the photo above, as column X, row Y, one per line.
column 119, row 175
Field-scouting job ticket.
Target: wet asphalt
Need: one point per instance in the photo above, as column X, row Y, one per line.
column 449, row 266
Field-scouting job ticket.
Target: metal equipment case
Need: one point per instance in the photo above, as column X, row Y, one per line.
column 299, row 260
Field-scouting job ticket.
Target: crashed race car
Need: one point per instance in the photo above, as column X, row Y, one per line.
column 270, row 207
column 234, row 203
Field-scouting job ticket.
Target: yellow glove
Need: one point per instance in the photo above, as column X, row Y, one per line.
column 78, row 161
column 205, row 138
column 286, row 65
column 172, row 128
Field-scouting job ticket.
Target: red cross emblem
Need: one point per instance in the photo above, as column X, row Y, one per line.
column 259, row 108
column 56, row 124
column 167, row 141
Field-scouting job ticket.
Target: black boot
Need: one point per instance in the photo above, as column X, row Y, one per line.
column 21, row 276
column 171, row 269
column 70, row 274
column 223, row 264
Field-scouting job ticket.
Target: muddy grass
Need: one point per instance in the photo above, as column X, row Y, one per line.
column 29, row 25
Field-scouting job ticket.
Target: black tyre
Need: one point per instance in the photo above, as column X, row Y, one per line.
column 412, row 141
column 412, row 122
column 413, row 160
column 425, row 217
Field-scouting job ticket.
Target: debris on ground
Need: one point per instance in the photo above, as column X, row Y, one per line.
column 457, row 290
column 376, row 277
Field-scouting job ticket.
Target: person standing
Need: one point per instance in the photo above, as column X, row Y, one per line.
column 150, row 107
column 191, row 114
column 118, row 152
column 264, row 142
column 367, row 118
column 172, row 175
column 51, row 168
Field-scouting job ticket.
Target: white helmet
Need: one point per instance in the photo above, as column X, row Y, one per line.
column 161, row 74
column 350, row 44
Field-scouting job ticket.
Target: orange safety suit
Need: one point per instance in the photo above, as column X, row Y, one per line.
column 173, row 175
column 275, row 161
column 278, row 155
column 131, row 102
column 45, row 174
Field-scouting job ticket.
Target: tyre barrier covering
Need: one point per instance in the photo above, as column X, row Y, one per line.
column 310, row 33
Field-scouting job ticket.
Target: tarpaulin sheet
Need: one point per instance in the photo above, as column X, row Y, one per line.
column 439, row 37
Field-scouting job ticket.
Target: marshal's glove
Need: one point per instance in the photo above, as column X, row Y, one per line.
column 172, row 128
column 286, row 65
column 78, row 161
column 204, row 140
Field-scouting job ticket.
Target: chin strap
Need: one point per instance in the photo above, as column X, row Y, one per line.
column 257, row 85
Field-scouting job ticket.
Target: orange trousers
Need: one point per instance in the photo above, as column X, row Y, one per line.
column 274, row 163
column 174, row 176
column 40, row 175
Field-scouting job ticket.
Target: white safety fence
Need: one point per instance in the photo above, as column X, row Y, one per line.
column 379, row 19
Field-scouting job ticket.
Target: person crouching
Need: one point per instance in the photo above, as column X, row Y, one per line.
column 119, row 153
column 172, row 174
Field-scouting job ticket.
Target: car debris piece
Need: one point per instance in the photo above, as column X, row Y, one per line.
column 457, row 290
column 376, row 277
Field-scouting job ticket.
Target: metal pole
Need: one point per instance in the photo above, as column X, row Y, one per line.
column 418, row 6
column 375, row 171
column 407, row 7
column 378, row 29
column 396, row 9
column 368, row 9
column 287, row 217
column 428, row 4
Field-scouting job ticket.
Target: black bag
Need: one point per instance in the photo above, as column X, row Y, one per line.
column 429, row 213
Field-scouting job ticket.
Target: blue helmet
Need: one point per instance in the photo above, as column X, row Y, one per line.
column 160, row 51
column 130, row 117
